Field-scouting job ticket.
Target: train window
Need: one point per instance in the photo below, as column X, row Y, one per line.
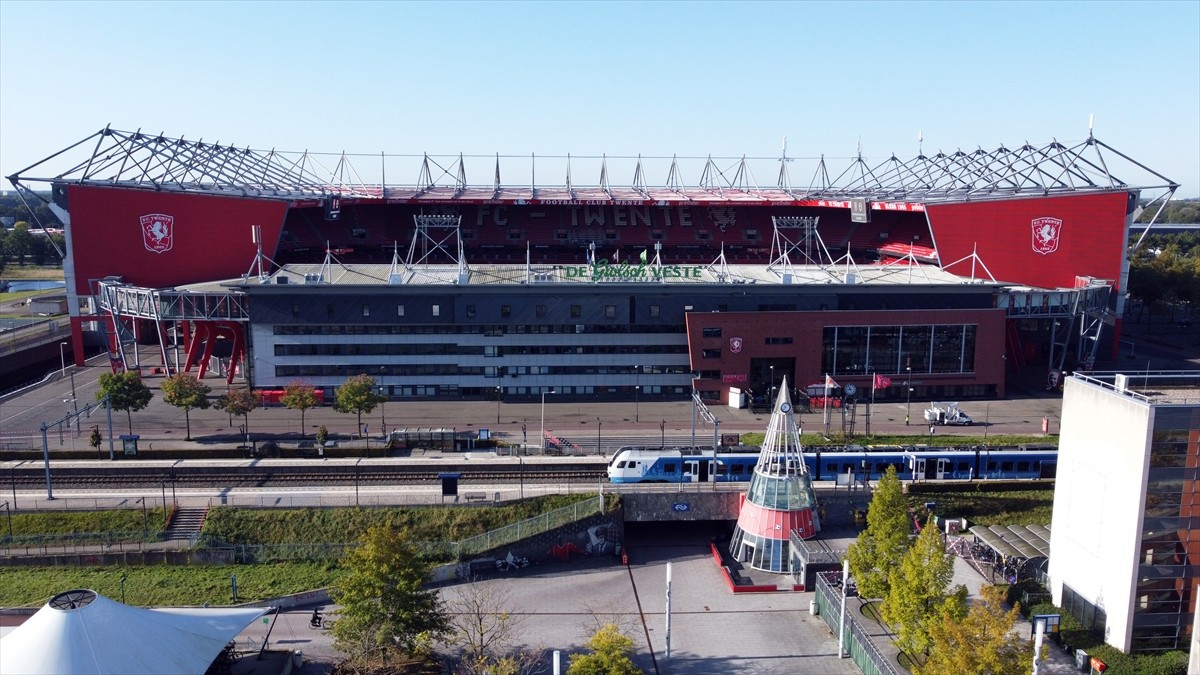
column 738, row 469
column 621, row 464
column 1022, row 466
column 963, row 466
column 831, row 467
column 669, row 467
column 991, row 466
column 1006, row 466
column 881, row 468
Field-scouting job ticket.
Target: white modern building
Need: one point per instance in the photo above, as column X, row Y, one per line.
column 1125, row 547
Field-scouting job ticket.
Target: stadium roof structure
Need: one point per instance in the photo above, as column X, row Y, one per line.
column 364, row 274
column 156, row 162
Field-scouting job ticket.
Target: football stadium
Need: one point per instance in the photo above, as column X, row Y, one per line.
column 499, row 277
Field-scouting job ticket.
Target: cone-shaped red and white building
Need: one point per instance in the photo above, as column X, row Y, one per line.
column 780, row 499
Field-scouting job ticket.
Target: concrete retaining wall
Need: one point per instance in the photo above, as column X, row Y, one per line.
column 669, row 506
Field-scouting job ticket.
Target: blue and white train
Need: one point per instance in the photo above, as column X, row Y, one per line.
column 640, row 464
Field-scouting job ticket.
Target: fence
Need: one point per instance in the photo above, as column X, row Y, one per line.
column 869, row 658
column 444, row 550
column 529, row 527
column 78, row 542
column 347, row 496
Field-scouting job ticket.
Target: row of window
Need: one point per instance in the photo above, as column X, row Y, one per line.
column 463, row 329
column 455, row 370
column 541, row 311
column 862, row 350
column 715, row 353
column 454, row 391
column 435, row 349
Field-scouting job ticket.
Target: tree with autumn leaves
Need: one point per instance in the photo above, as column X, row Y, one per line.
column 186, row 392
column 299, row 395
column 240, row 403
column 981, row 641
column 917, row 593
column 935, row 625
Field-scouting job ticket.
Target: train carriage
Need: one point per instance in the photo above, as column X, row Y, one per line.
column 642, row 464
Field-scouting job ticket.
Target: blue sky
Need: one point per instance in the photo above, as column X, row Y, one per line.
column 726, row 79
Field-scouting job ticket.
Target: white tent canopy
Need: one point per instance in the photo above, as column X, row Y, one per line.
column 82, row 631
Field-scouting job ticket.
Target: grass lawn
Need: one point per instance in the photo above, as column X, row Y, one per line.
column 1001, row 507
column 164, row 585
column 424, row 524
column 944, row 439
column 13, row 272
column 76, row 522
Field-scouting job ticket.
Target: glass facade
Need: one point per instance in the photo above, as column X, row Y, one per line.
column 862, row 350
column 790, row 494
column 1169, row 547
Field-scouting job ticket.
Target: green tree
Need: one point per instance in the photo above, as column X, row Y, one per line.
column 611, row 655
column 982, row 641
column 387, row 610
column 917, row 594
column 877, row 552
column 299, row 395
column 240, row 402
column 125, row 391
column 357, row 395
column 185, row 391
column 19, row 242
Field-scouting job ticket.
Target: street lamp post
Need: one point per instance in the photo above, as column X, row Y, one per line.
column 542, row 438
column 62, row 355
column 599, row 450
column 145, row 517
column 521, row 461
column 637, row 392
column 662, row 428
column 772, row 391
column 8, row 513
column 907, row 390
column 499, row 394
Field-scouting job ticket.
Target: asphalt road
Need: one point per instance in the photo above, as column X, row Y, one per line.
column 161, row 425
column 54, row 402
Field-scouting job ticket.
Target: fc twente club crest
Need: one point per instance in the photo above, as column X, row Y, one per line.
column 1046, row 232
column 735, row 344
column 158, row 232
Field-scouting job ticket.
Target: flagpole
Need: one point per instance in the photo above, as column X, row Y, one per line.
column 871, row 409
column 826, row 402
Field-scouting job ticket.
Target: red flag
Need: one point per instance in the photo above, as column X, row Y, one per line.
column 882, row 381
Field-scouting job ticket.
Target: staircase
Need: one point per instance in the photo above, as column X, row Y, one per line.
column 186, row 523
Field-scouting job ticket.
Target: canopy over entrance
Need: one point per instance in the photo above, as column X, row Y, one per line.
column 82, row 631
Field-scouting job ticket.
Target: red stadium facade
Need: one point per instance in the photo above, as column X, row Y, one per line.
column 159, row 213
